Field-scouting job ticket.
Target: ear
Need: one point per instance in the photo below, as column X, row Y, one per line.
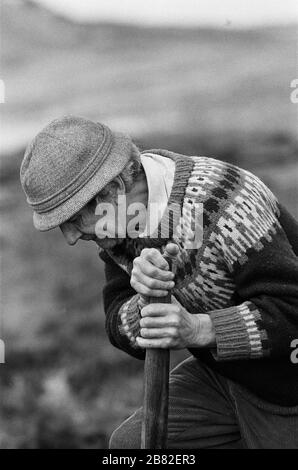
column 97, row 199
column 121, row 186
column 112, row 190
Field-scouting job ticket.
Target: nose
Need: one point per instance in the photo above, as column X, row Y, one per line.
column 70, row 233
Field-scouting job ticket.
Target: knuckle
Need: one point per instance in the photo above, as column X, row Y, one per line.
column 151, row 283
column 149, row 309
column 154, row 253
column 143, row 332
column 144, row 310
column 154, row 272
column 175, row 333
column 159, row 293
column 145, row 252
column 147, row 291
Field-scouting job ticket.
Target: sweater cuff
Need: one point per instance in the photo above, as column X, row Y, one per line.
column 129, row 319
column 237, row 334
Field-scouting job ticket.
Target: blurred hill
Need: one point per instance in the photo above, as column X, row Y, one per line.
column 197, row 91
column 142, row 79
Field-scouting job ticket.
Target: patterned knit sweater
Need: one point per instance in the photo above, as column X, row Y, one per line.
column 244, row 275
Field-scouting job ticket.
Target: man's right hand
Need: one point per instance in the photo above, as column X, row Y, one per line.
column 150, row 275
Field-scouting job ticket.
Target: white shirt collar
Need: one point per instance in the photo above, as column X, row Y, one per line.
column 159, row 172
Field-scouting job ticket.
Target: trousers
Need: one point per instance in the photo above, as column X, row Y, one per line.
column 208, row 411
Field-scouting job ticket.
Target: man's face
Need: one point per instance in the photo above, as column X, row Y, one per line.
column 82, row 226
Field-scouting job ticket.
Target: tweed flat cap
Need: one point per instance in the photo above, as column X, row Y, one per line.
column 67, row 164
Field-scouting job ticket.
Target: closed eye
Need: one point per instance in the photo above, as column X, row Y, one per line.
column 75, row 220
column 78, row 220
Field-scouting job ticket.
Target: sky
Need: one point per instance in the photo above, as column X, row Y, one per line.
column 234, row 13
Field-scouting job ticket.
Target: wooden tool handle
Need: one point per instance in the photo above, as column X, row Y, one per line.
column 156, row 381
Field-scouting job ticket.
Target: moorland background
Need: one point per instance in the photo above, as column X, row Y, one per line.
column 200, row 91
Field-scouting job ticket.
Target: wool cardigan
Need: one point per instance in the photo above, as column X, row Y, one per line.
column 244, row 275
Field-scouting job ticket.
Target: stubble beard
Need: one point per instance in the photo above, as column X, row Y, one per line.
column 108, row 243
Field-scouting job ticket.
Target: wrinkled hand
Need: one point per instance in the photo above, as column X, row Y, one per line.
column 150, row 275
column 168, row 326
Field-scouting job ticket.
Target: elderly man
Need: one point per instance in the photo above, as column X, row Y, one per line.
column 235, row 295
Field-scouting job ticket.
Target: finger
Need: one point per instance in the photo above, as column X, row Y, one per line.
column 157, row 309
column 159, row 322
column 155, row 257
column 150, row 270
column 158, row 333
column 162, row 343
column 144, row 290
column 154, row 283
